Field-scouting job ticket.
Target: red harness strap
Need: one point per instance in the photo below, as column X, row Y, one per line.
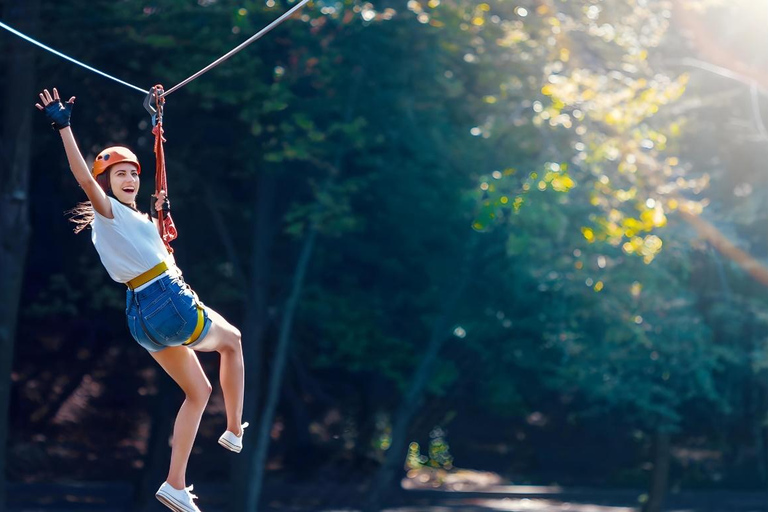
column 165, row 222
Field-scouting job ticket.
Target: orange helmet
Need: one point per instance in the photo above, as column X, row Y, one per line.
column 111, row 156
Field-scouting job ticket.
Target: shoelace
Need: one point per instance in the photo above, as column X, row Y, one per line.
column 188, row 490
column 242, row 428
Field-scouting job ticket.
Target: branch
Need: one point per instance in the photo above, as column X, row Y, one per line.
column 225, row 235
column 756, row 111
column 713, row 235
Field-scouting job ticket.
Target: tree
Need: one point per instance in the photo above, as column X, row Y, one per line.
column 14, row 199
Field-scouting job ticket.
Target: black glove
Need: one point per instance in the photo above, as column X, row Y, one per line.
column 153, row 211
column 59, row 113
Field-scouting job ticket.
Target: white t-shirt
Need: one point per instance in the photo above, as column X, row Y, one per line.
column 128, row 244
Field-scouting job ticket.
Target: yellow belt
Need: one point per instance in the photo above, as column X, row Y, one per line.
column 147, row 276
column 153, row 273
column 198, row 328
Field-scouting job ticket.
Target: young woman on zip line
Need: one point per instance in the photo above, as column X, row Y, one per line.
column 164, row 314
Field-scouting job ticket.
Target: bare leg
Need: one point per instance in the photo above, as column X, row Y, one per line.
column 184, row 368
column 224, row 338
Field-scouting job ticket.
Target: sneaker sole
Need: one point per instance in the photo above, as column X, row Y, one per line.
column 171, row 503
column 229, row 446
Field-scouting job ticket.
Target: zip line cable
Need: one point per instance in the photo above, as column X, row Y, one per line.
column 210, row 66
column 242, row 45
column 166, row 228
column 55, row 52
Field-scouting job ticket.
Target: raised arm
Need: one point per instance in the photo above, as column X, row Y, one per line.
column 59, row 113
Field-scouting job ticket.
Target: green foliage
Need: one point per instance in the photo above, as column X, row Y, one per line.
column 439, row 453
column 545, row 135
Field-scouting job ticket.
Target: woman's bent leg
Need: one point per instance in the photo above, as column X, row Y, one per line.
column 184, row 368
column 224, row 338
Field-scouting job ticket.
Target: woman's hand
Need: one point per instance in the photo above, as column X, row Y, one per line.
column 158, row 202
column 59, row 113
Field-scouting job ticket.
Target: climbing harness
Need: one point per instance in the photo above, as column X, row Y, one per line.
column 148, row 276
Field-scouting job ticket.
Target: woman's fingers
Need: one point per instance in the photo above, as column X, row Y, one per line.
column 45, row 97
column 160, row 199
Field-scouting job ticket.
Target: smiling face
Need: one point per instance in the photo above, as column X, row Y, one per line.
column 124, row 181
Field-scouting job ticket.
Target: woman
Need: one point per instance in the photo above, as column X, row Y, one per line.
column 164, row 315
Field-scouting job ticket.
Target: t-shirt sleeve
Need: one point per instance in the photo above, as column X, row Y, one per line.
column 117, row 212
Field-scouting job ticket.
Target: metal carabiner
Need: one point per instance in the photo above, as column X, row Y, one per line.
column 154, row 103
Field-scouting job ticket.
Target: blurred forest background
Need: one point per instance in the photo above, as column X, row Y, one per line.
column 468, row 243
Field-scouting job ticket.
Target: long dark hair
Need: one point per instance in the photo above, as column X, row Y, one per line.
column 82, row 214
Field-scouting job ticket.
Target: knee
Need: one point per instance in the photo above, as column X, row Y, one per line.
column 232, row 343
column 201, row 393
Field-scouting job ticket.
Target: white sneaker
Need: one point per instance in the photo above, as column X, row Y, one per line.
column 232, row 442
column 175, row 499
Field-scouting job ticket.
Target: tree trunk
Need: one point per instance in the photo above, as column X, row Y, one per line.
column 220, row 224
column 278, row 366
column 764, row 452
column 256, row 462
column 299, row 452
column 158, row 458
column 385, row 479
column 14, row 202
column 660, row 475
column 365, row 421
column 254, row 329
column 756, row 407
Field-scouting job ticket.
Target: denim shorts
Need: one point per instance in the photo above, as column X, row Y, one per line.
column 164, row 314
